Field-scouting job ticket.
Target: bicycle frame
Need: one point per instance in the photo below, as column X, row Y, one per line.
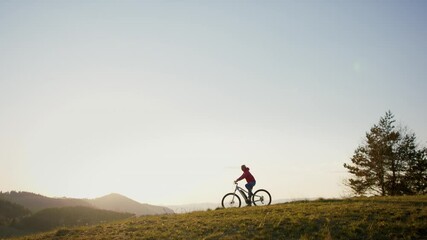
column 243, row 192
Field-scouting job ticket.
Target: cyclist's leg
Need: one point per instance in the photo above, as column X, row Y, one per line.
column 249, row 186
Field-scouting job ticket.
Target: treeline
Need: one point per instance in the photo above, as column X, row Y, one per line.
column 16, row 220
column 10, row 211
column 389, row 163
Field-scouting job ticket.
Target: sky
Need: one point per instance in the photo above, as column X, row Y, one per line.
column 163, row 101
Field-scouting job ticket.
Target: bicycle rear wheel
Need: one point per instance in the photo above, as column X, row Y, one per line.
column 231, row 200
column 261, row 198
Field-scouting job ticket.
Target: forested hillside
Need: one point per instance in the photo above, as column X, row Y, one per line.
column 10, row 211
column 20, row 221
column 68, row 216
column 24, row 212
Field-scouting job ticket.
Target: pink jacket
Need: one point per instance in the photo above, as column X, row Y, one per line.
column 246, row 175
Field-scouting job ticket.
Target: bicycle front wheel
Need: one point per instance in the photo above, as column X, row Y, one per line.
column 261, row 198
column 231, row 200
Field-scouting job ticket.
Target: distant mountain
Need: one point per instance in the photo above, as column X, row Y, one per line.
column 37, row 202
column 119, row 203
column 287, row 200
column 113, row 202
column 186, row 208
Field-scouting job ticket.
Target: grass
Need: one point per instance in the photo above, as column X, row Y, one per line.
column 355, row 218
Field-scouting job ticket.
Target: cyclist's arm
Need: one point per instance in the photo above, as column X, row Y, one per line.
column 241, row 177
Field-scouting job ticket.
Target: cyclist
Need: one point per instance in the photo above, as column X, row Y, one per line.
column 250, row 181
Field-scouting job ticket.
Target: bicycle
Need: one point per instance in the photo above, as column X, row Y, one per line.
column 259, row 198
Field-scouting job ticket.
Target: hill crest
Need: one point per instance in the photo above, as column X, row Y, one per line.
column 355, row 218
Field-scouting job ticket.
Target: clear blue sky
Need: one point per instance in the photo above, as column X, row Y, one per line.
column 162, row 101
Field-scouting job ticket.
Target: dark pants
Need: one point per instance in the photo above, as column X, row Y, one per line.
column 249, row 186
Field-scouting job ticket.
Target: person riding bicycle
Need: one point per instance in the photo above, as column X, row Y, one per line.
column 249, row 179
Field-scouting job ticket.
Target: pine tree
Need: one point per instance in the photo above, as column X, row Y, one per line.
column 388, row 163
column 416, row 176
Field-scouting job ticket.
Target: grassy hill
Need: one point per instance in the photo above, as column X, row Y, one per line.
column 356, row 218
